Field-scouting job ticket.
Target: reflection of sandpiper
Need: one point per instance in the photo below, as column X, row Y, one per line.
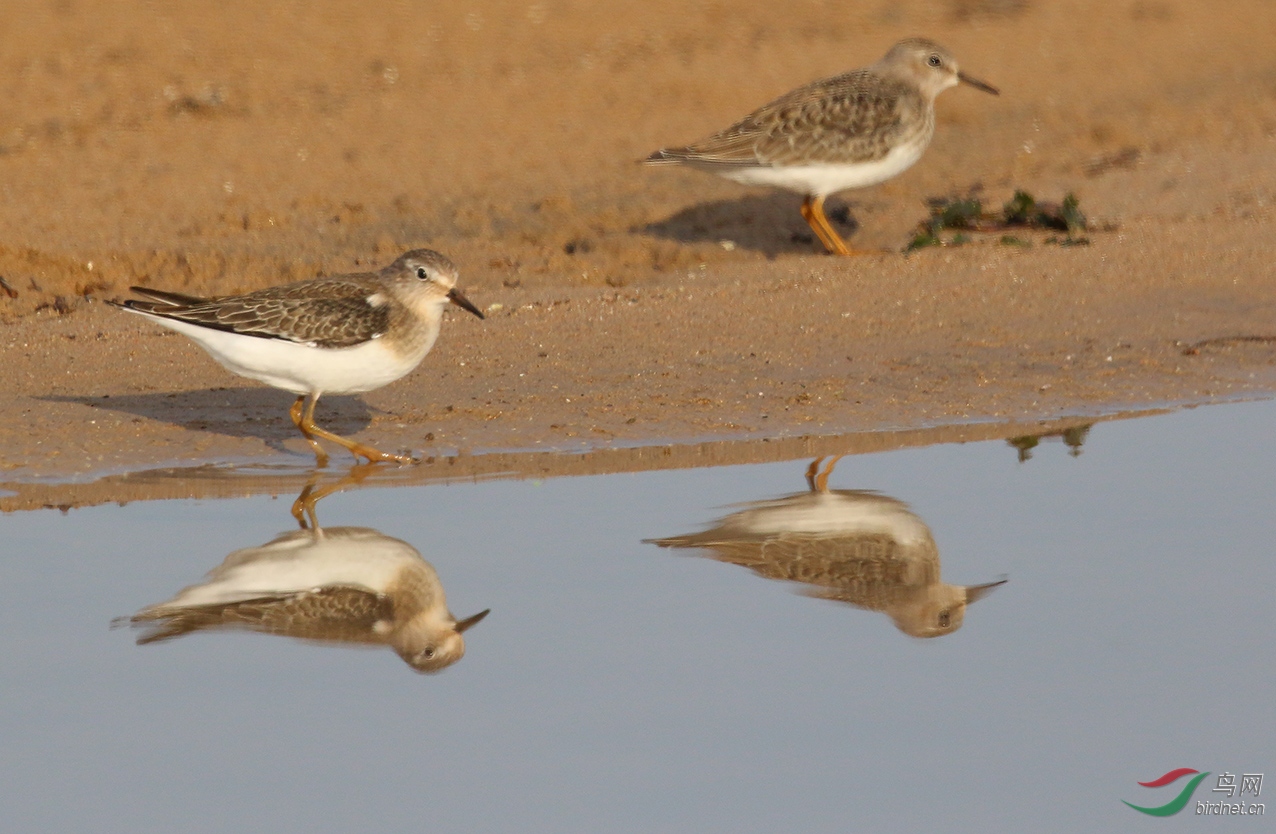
column 347, row 585
column 857, row 547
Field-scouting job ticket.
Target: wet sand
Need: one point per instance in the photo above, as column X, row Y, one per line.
column 627, row 306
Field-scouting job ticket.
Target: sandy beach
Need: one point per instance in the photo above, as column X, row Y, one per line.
column 627, row 307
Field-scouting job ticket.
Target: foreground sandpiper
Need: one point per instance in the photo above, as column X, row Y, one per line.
column 850, row 131
column 342, row 334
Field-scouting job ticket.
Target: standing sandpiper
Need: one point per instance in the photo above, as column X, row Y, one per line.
column 342, row 334
column 850, row 131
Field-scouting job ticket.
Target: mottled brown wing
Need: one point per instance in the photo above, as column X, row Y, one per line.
column 854, row 117
column 328, row 312
column 338, row 614
column 867, row 571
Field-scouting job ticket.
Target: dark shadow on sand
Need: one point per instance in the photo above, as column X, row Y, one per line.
column 768, row 223
column 260, row 413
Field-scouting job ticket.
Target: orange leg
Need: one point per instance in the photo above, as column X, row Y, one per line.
column 813, row 213
column 822, row 480
column 305, row 421
column 819, row 481
column 303, row 509
column 810, row 473
column 321, row 457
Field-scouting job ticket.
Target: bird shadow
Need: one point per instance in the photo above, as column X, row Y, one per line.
column 260, row 413
column 768, row 223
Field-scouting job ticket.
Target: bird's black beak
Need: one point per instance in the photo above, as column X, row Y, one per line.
column 454, row 295
column 977, row 84
column 472, row 621
column 974, row 592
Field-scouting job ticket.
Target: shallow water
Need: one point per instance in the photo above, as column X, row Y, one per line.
column 621, row 686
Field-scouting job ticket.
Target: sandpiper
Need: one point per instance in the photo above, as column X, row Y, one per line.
column 850, row 131
column 861, row 548
column 342, row 334
column 346, row 585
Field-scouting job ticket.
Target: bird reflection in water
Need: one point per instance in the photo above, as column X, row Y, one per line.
column 336, row 585
column 852, row 546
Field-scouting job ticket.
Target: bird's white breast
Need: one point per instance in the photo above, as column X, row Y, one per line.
column 822, row 179
column 301, row 562
column 833, row 514
column 304, row 369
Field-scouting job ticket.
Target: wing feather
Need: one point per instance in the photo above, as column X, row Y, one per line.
column 854, row 117
column 333, row 613
column 328, row 312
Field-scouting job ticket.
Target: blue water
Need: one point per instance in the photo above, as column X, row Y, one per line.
column 618, row 686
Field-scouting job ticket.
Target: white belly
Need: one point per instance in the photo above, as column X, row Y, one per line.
column 302, row 561
column 823, row 179
column 303, row 369
column 835, row 514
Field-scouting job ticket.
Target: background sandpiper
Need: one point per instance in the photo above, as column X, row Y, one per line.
column 850, row 131
column 342, row 334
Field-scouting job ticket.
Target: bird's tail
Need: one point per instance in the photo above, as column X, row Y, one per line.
column 666, row 156
column 172, row 299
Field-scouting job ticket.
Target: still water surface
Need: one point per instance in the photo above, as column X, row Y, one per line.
column 621, row 685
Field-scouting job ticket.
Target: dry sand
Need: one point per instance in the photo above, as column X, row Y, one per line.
column 217, row 147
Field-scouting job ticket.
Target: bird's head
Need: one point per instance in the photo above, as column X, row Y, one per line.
column 940, row 610
column 430, row 646
column 930, row 66
column 432, row 275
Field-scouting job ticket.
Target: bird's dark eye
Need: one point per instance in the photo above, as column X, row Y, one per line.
column 428, row 653
column 421, row 273
column 943, row 619
column 934, row 60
